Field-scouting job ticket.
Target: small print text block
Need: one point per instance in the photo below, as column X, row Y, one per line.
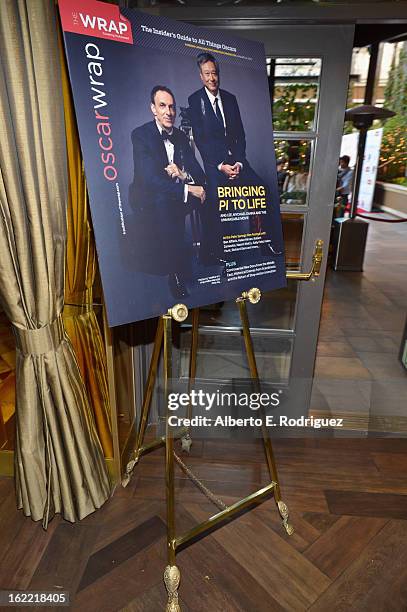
column 34, row 598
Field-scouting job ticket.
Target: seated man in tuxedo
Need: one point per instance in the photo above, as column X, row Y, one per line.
column 167, row 181
column 220, row 137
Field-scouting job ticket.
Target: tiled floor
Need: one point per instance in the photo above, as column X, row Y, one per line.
column 362, row 323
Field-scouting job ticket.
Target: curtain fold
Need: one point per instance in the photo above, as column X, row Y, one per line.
column 59, row 463
column 80, row 319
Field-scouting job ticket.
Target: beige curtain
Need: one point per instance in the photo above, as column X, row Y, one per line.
column 59, row 464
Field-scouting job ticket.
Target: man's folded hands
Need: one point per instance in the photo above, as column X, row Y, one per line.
column 197, row 191
column 174, row 172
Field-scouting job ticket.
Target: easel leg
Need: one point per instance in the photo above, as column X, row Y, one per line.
column 172, row 579
column 152, row 375
column 268, row 449
column 186, row 440
column 171, row 573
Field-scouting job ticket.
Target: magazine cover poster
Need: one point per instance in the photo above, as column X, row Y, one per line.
column 176, row 135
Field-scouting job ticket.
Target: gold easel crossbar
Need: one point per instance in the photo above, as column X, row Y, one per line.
column 224, row 515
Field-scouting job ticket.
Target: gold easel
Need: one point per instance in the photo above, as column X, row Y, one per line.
column 164, row 337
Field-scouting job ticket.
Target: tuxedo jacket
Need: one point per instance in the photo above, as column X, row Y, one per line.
column 151, row 184
column 158, row 200
column 216, row 146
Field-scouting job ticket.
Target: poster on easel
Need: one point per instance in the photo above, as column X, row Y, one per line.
column 176, row 135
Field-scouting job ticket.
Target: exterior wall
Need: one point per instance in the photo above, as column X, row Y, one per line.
column 391, row 198
column 360, row 66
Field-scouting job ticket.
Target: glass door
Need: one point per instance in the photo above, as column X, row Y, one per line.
column 308, row 68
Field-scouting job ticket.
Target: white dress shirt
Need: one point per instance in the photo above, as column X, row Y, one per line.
column 212, row 100
column 169, row 147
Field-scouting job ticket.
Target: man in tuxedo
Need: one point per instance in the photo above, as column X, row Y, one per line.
column 167, row 181
column 220, row 137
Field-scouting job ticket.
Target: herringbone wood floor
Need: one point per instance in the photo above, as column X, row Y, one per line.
column 348, row 498
column 348, row 502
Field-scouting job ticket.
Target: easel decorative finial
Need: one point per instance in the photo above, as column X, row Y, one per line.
column 253, row 295
column 179, row 312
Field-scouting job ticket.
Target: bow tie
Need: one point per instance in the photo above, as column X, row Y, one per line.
column 166, row 136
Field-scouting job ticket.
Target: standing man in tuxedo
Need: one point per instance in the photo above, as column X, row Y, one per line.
column 167, row 181
column 220, row 137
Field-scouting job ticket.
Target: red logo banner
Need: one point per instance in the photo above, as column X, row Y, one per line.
column 94, row 18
